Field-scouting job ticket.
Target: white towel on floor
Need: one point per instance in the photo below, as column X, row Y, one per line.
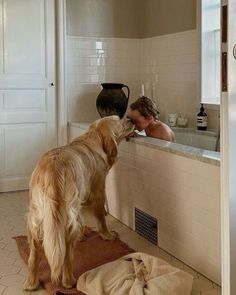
column 136, row 274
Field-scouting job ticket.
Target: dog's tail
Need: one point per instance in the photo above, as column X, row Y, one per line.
column 54, row 226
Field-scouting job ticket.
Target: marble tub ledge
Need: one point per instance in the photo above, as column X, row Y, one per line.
column 187, row 151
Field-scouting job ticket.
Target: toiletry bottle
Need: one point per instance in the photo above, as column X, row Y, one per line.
column 202, row 119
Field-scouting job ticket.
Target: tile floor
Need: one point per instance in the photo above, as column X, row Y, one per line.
column 13, row 270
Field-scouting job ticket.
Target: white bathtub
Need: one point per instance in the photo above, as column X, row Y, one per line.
column 179, row 185
column 200, row 139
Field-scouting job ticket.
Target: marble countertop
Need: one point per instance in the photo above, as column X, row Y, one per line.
column 206, row 156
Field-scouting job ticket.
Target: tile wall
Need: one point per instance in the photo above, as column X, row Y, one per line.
column 170, row 71
column 183, row 194
column 167, row 65
column 91, row 61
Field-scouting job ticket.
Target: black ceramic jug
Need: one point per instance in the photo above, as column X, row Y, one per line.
column 112, row 100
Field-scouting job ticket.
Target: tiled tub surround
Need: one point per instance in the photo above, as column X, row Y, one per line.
column 178, row 185
column 182, row 193
column 170, row 72
column 91, row 61
column 167, row 65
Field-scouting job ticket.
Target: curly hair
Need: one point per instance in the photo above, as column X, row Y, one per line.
column 145, row 106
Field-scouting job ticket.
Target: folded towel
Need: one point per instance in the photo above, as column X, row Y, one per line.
column 136, row 274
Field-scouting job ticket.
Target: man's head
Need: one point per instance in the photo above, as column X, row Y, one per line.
column 142, row 112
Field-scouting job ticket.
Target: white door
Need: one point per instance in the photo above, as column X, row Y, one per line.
column 27, row 92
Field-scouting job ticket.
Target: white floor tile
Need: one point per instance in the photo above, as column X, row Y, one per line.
column 12, row 280
column 2, row 288
column 211, row 292
column 13, row 270
column 8, row 270
column 15, row 290
column 201, row 284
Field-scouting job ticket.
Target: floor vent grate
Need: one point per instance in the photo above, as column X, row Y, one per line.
column 146, row 226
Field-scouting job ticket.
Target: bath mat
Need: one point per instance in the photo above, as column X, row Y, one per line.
column 92, row 252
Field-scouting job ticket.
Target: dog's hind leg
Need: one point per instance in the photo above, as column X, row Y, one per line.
column 32, row 281
column 68, row 279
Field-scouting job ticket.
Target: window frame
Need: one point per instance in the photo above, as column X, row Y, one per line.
column 207, row 103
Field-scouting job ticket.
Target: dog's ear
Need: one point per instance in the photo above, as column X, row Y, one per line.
column 109, row 145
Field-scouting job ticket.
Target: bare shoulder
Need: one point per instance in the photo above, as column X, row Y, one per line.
column 167, row 132
column 160, row 130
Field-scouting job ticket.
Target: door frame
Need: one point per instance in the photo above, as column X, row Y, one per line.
column 62, row 120
column 225, row 227
column 228, row 167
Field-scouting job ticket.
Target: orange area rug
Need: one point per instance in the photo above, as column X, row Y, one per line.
column 92, row 252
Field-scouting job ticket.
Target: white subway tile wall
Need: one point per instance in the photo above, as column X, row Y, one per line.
column 183, row 194
column 171, row 72
column 168, row 66
column 91, row 61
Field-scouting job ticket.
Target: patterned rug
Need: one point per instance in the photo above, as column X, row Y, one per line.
column 92, row 252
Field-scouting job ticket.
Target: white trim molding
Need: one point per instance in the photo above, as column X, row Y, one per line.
column 229, row 164
column 61, row 72
column 224, row 139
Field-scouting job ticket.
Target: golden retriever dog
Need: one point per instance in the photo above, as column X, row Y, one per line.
column 65, row 180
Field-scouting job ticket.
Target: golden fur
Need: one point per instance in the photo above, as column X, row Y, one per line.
column 66, row 180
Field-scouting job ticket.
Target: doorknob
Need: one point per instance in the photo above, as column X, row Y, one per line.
column 234, row 51
column 52, row 84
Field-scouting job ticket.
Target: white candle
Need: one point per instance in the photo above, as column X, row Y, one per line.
column 142, row 89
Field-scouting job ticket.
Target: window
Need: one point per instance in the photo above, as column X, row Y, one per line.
column 210, row 51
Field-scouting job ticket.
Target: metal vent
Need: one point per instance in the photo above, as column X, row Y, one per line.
column 146, row 226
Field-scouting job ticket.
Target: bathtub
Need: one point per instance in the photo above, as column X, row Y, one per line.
column 200, row 139
column 177, row 184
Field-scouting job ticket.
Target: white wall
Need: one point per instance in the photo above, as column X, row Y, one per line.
column 168, row 65
column 182, row 193
column 170, row 58
column 91, row 61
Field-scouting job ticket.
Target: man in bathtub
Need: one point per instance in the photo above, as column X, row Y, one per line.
column 143, row 112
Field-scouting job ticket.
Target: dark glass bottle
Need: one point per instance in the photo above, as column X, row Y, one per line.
column 202, row 119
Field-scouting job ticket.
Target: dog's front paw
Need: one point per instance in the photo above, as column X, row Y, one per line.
column 111, row 235
column 30, row 285
column 68, row 282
